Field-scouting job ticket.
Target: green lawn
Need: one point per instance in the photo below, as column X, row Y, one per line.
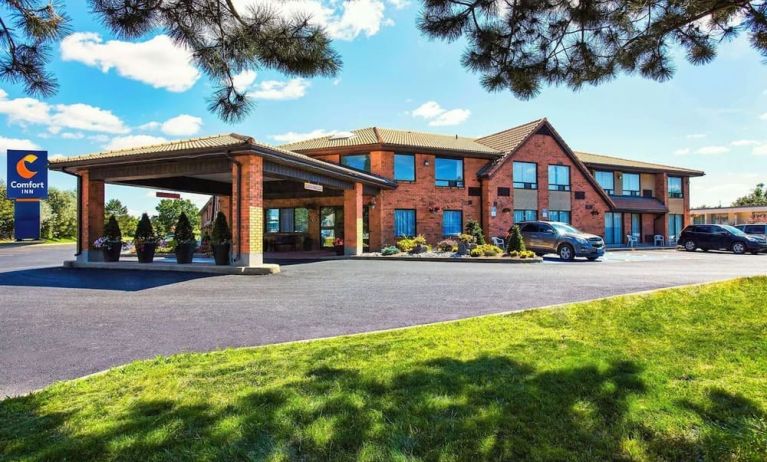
column 676, row 375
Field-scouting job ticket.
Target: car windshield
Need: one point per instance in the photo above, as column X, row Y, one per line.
column 563, row 228
column 734, row 230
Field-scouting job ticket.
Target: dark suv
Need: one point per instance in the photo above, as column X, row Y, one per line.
column 760, row 229
column 720, row 237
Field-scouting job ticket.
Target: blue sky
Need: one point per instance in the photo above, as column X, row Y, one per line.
column 115, row 94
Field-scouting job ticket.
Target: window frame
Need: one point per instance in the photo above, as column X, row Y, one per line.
column 360, row 154
column 404, row 154
column 458, row 185
column 609, row 191
column 624, row 190
column 559, row 212
column 524, row 212
column 415, row 222
column 558, row 186
column 279, row 220
column 680, row 194
column 460, row 225
column 525, row 184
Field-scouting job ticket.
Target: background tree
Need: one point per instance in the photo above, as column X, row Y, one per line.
column 168, row 211
column 61, row 219
column 521, row 45
column 126, row 221
column 224, row 41
column 756, row 197
column 6, row 213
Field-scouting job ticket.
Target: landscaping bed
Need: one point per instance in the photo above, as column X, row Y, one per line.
column 450, row 256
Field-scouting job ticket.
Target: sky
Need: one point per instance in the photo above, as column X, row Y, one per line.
column 115, row 93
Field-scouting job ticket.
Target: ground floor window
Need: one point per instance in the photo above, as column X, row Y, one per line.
column 636, row 226
column 559, row 215
column 613, row 228
column 675, row 225
column 331, row 225
column 525, row 215
column 452, row 222
column 404, row 222
column 287, row 220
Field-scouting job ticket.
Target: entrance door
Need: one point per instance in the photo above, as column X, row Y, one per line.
column 613, row 228
column 636, row 226
column 331, row 225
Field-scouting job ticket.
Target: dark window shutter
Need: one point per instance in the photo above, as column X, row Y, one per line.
column 647, row 193
column 580, row 195
column 474, row 191
column 504, row 192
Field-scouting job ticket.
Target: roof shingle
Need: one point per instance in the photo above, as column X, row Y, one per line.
column 610, row 161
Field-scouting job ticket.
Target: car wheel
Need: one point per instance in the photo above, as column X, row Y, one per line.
column 739, row 248
column 690, row 246
column 566, row 252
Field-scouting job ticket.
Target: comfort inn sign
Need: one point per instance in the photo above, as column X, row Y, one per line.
column 27, row 174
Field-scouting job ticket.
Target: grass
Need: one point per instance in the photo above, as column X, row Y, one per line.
column 674, row 375
column 65, row 240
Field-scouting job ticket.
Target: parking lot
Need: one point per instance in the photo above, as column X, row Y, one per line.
column 60, row 323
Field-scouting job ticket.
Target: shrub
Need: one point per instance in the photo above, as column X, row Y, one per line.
column 447, row 245
column 221, row 232
column 491, row 250
column 389, row 250
column 516, row 242
column 476, row 252
column 405, row 244
column 473, row 227
column 183, row 233
column 513, row 254
column 144, row 231
column 466, row 238
column 419, row 240
column 112, row 230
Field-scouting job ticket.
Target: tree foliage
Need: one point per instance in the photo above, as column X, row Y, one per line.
column 183, row 232
column 758, row 196
column 144, row 230
column 126, row 221
column 516, row 242
column 59, row 215
column 520, row 45
column 475, row 229
column 221, row 232
column 168, row 212
column 6, row 213
column 225, row 40
column 112, row 230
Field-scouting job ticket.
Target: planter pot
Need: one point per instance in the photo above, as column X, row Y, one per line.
column 221, row 253
column 145, row 252
column 96, row 254
column 112, row 251
column 339, row 249
column 185, row 252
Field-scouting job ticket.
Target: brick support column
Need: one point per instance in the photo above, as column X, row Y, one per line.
column 91, row 213
column 486, row 204
column 375, row 225
column 248, row 211
column 353, row 220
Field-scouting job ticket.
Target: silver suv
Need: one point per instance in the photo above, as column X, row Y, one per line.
column 544, row 237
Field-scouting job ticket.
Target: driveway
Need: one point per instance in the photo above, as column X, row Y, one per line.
column 60, row 323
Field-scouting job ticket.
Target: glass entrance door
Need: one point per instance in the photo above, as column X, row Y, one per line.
column 613, row 228
column 331, row 225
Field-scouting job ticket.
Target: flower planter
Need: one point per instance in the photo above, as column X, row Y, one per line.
column 185, row 252
column 146, row 251
column 96, row 254
column 111, row 251
column 221, row 253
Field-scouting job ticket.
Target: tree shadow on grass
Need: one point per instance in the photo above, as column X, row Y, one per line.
column 488, row 408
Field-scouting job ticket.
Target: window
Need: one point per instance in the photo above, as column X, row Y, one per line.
column 525, row 175
column 631, row 184
column 606, row 180
column 675, row 225
column 287, row 220
column 613, row 228
column 404, row 167
column 331, row 225
column 452, row 222
column 357, row 161
column 559, row 178
column 525, row 215
column 404, row 222
column 504, row 192
column 562, row 216
column 448, row 173
column 675, row 187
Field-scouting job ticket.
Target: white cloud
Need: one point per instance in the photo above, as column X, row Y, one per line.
column 98, row 138
column 15, row 143
column 73, row 135
column 760, row 150
column 150, row 126
column 744, row 143
column 439, row 116
column 132, row 141
column 244, row 79
column 336, row 82
column 682, row 152
column 292, row 137
column 157, row 62
column 712, row 150
column 182, row 125
column 763, row 116
column 57, row 157
column 281, row 90
column 721, row 187
column 696, row 136
column 399, row 4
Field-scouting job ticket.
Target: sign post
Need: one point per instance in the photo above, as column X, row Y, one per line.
column 27, row 185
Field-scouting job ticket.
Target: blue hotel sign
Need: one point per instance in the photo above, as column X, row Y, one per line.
column 27, row 174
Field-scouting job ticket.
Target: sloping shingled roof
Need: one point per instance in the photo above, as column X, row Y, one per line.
column 610, row 161
column 395, row 138
column 638, row 204
column 212, row 144
column 507, row 142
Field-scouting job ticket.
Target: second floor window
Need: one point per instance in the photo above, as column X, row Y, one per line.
column 606, row 180
column 404, row 167
column 448, row 172
column 631, row 184
column 675, row 187
column 525, row 175
column 357, row 161
column 559, row 178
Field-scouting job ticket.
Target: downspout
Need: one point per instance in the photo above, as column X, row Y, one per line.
column 79, row 210
column 239, row 203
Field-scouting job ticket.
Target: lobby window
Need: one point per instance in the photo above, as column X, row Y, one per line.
column 559, row 215
column 606, row 180
column 404, row 167
column 525, row 215
column 404, row 222
column 357, row 161
column 448, row 172
column 452, row 222
column 287, row 220
column 272, row 220
column 631, row 184
column 525, row 175
column 675, row 187
column 559, row 178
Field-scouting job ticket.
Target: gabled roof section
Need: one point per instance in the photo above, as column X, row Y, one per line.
column 395, row 139
column 599, row 160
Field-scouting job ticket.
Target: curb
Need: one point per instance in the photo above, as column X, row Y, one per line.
column 453, row 259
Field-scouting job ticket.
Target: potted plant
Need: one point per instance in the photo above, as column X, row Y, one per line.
column 221, row 240
column 185, row 241
column 515, row 242
column 338, row 245
column 97, row 251
column 145, row 240
column 113, row 240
